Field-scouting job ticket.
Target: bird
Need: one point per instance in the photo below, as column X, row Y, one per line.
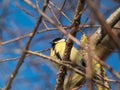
column 74, row 80
column 57, row 51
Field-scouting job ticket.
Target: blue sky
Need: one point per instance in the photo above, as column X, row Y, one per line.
column 35, row 71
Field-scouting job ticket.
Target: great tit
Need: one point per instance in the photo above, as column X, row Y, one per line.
column 74, row 80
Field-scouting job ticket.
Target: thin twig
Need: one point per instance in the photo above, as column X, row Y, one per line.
column 61, row 12
column 17, row 58
column 27, row 35
column 56, row 61
column 41, row 31
column 62, row 6
column 54, row 15
column 116, row 74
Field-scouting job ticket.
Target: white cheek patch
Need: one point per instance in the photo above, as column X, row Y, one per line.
column 62, row 40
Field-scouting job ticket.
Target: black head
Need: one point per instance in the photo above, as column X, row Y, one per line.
column 55, row 41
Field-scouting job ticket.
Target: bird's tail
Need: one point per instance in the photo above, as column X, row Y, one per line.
column 101, row 82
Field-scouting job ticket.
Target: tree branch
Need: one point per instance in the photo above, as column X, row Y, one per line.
column 74, row 27
column 112, row 20
column 105, row 26
column 80, row 71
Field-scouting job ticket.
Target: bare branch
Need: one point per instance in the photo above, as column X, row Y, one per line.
column 105, row 26
column 79, row 71
column 112, row 20
column 74, row 27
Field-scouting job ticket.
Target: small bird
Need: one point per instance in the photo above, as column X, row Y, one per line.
column 73, row 80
